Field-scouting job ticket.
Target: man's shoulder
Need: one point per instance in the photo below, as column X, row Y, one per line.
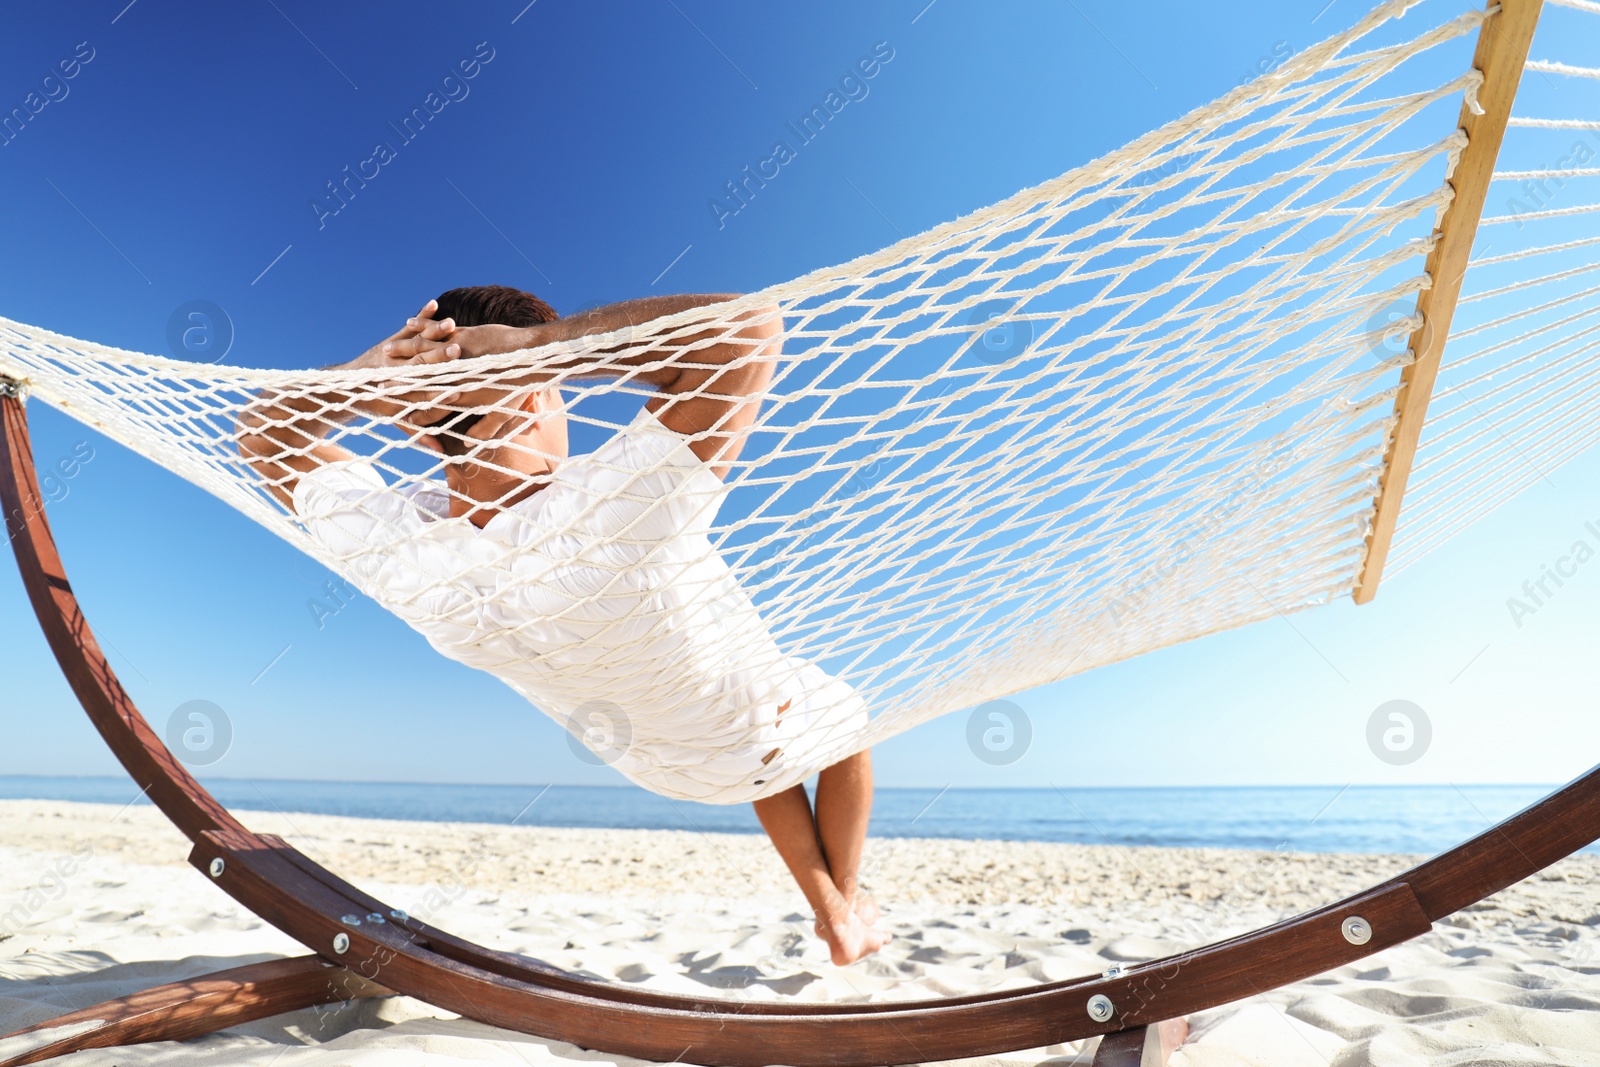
column 430, row 496
column 644, row 446
column 340, row 481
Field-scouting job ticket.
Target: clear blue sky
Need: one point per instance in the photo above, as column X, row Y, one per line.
column 580, row 162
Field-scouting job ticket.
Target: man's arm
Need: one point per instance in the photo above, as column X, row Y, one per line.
column 283, row 437
column 710, row 381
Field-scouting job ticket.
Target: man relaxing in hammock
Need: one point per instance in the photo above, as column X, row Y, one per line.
column 589, row 583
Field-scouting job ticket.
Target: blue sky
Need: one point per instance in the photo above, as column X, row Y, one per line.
column 580, row 161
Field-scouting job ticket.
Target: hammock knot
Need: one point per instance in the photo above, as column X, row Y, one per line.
column 1469, row 92
column 1400, row 328
column 1420, row 247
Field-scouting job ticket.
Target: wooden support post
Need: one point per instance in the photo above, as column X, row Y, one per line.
column 1143, row 1046
column 1502, row 49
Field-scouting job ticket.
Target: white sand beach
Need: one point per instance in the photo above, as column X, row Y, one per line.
column 97, row 901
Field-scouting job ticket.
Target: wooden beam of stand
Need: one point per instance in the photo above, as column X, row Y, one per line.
column 1502, row 49
column 190, row 1008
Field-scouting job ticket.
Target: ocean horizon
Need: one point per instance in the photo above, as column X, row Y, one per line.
column 1302, row 818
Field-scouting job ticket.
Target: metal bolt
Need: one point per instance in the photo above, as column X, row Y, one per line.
column 1100, row 1008
column 351, row 920
column 374, row 917
column 1356, row 930
column 341, row 943
column 218, row 865
column 10, row 387
column 1113, row 971
column 398, row 914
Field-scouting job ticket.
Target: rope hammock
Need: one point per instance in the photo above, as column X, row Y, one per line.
column 1145, row 401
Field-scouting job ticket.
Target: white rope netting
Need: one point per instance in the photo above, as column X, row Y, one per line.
column 1144, row 401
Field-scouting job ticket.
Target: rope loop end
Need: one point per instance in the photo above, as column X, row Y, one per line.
column 1469, row 92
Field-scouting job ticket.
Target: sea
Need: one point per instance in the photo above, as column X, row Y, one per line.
column 1303, row 818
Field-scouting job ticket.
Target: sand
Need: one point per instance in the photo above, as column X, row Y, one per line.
column 97, row 901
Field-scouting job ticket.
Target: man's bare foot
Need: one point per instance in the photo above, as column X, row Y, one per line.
column 850, row 939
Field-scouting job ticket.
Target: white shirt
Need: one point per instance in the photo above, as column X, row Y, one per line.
column 602, row 601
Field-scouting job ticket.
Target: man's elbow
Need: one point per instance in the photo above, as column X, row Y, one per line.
column 763, row 323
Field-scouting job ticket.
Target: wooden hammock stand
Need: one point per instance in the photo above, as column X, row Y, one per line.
column 360, row 947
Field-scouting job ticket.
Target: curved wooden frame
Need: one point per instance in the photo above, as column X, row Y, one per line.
column 376, row 949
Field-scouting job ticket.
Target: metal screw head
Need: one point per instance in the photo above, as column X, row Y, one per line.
column 1100, row 1008
column 341, row 943
column 1356, row 930
column 218, row 865
column 351, row 920
column 399, row 914
column 374, row 917
column 1113, row 971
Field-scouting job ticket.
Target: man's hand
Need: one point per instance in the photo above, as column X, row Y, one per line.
column 464, row 342
column 442, row 341
column 422, row 340
column 424, row 335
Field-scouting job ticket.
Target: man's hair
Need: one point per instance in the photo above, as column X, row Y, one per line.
column 483, row 305
column 501, row 305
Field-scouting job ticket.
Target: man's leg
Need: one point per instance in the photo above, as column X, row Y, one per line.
column 788, row 820
column 844, row 806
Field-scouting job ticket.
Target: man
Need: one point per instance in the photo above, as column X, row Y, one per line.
column 589, row 583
